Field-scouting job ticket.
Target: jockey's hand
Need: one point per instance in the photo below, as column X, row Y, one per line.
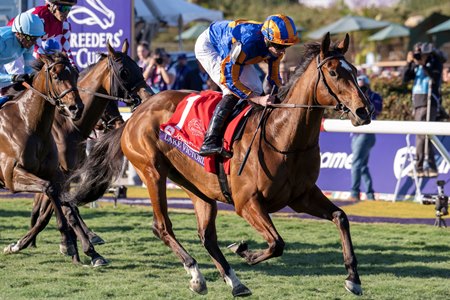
column 263, row 100
column 20, row 78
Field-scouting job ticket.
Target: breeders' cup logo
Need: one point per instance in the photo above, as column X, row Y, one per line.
column 99, row 14
column 93, row 25
column 195, row 126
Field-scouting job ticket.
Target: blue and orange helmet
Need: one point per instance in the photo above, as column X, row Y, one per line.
column 280, row 29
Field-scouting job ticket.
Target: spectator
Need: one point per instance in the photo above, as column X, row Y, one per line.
column 426, row 71
column 362, row 144
column 143, row 54
column 228, row 50
column 17, row 41
column 157, row 72
column 181, row 73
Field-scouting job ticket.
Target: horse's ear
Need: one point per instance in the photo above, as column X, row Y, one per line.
column 325, row 46
column 111, row 51
column 344, row 44
column 125, row 46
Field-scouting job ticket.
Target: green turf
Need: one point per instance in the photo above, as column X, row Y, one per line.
column 395, row 261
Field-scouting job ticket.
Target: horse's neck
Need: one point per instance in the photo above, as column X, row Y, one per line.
column 297, row 128
column 94, row 106
column 37, row 112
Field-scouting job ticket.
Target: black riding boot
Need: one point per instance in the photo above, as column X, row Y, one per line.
column 213, row 143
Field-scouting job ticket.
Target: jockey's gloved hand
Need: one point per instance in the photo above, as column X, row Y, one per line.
column 20, row 78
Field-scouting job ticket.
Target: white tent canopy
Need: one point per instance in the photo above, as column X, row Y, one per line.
column 174, row 11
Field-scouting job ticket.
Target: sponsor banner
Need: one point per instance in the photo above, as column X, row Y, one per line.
column 389, row 161
column 94, row 23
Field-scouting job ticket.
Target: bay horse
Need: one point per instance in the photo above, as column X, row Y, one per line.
column 28, row 155
column 281, row 171
column 101, row 85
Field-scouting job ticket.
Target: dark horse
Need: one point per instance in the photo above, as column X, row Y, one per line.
column 281, row 171
column 28, row 155
column 116, row 74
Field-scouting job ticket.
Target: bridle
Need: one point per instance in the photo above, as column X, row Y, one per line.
column 131, row 97
column 338, row 107
column 51, row 95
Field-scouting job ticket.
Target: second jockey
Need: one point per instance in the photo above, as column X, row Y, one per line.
column 228, row 50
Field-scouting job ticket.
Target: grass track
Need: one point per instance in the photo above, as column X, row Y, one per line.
column 395, row 261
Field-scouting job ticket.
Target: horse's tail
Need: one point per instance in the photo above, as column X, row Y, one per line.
column 103, row 163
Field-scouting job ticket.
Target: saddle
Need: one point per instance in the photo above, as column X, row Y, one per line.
column 186, row 128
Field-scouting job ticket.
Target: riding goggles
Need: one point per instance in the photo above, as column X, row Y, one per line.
column 64, row 8
column 29, row 37
column 279, row 46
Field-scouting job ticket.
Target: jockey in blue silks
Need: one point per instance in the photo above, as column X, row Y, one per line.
column 228, row 50
column 17, row 41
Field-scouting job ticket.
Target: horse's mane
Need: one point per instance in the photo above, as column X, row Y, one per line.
column 86, row 71
column 310, row 51
column 58, row 56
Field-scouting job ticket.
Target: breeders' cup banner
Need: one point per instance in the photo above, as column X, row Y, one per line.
column 389, row 162
column 94, row 22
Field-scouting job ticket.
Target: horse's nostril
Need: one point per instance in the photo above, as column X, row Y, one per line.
column 362, row 113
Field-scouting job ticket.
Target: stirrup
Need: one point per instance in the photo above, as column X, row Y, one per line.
column 215, row 151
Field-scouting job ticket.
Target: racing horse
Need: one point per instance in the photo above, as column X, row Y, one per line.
column 28, row 156
column 281, row 171
column 115, row 75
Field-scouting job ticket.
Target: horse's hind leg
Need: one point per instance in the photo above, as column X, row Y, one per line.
column 72, row 216
column 206, row 213
column 259, row 219
column 318, row 205
column 93, row 237
column 162, row 226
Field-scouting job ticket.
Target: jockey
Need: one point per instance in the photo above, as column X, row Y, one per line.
column 228, row 50
column 54, row 15
column 17, row 41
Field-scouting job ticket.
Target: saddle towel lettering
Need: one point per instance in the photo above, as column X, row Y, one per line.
column 186, row 128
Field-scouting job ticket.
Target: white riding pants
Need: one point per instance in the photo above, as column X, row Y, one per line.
column 212, row 62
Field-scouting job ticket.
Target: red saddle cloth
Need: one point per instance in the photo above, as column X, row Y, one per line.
column 186, row 128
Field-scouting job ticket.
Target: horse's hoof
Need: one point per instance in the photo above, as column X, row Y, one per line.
column 198, row 287
column 96, row 240
column 238, row 247
column 9, row 249
column 68, row 250
column 353, row 288
column 99, row 262
column 241, row 291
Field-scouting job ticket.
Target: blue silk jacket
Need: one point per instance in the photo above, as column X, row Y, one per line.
column 224, row 34
column 10, row 50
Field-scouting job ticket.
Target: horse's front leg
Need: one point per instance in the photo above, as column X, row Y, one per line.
column 318, row 205
column 259, row 219
column 162, row 226
column 24, row 181
column 40, row 216
column 206, row 213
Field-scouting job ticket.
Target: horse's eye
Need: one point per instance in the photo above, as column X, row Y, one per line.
column 124, row 74
column 332, row 73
